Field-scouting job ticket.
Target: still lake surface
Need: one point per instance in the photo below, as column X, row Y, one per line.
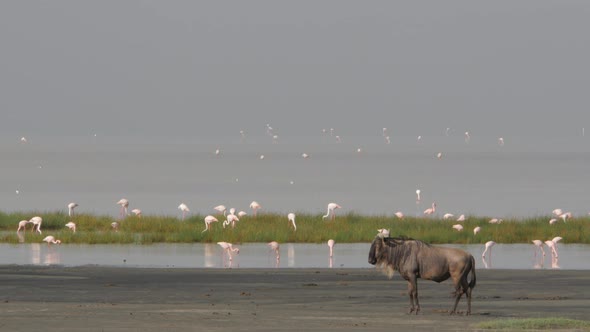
column 527, row 176
column 258, row 255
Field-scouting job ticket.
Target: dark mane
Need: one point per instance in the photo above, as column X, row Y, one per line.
column 402, row 239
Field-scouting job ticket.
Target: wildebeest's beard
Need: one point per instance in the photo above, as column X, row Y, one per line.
column 373, row 252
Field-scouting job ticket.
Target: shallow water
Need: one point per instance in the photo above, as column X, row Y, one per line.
column 258, row 255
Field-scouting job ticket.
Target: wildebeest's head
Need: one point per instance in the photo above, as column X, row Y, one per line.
column 377, row 249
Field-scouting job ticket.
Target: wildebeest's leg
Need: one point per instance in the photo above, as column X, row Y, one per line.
column 468, row 294
column 413, row 293
column 460, row 287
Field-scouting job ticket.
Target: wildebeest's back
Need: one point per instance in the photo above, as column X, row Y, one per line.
column 439, row 263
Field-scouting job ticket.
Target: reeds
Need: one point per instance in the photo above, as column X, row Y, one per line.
column 311, row 228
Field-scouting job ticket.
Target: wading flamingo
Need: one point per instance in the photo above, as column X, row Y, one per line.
column 50, row 239
column 553, row 248
column 241, row 214
column 488, row 247
column 274, row 246
column 331, row 246
column 184, row 209
column 124, row 206
column 461, row 218
column 22, row 225
column 208, row 220
column 255, row 207
column 399, row 215
column 331, row 211
column 71, row 226
column 229, row 249
column 36, row 221
column 71, row 208
column 291, row 218
column 538, row 246
column 458, row 227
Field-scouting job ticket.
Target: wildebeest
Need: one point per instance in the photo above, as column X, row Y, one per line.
column 415, row 259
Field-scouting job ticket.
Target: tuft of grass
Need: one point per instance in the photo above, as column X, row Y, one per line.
column 266, row 227
column 535, row 324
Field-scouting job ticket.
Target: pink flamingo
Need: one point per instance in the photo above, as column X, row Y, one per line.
column 23, row 225
column 136, row 212
column 488, row 246
column 458, row 227
column 228, row 247
column 274, row 246
column 208, row 220
column 539, row 246
column 447, row 216
column 184, row 209
column 124, row 206
column 430, row 210
column 221, row 209
column 331, row 211
column 50, row 239
column 36, row 221
column 71, row 226
column 399, row 215
column 71, row 208
column 476, row 230
column 230, row 220
column 291, row 218
column 553, row 246
column 255, row 207
column 331, row 246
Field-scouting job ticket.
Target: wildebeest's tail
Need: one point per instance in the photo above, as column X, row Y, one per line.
column 472, row 282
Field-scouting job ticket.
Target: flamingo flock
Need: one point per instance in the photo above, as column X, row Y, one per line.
column 232, row 218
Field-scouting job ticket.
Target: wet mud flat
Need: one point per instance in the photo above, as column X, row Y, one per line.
column 93, row 298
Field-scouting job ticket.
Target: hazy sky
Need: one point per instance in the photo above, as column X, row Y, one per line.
column 199, row 68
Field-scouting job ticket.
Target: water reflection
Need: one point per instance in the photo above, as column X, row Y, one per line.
column 208, row 254
column 258, row 255
column 291, row 255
